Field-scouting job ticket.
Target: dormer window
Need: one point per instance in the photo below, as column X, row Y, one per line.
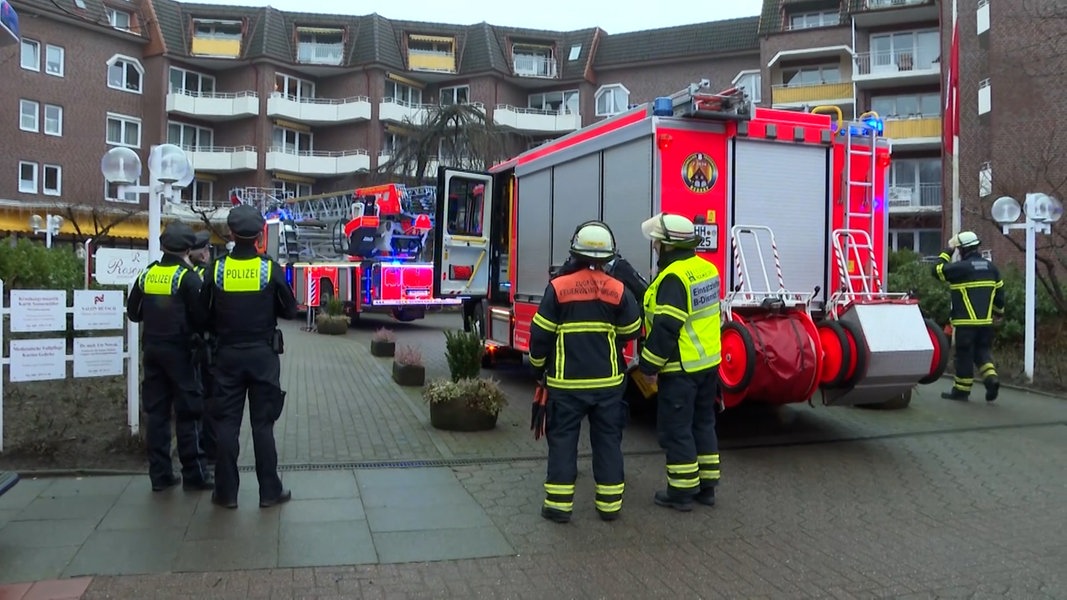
column 217, row 38
column 825, row 18
column 432, row 53
column 576, row 50
column 320, row 45
column 533, row 60
column 119, row 19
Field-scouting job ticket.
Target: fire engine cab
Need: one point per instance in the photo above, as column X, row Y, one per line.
column 792, row 210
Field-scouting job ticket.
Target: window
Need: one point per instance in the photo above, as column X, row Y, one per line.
column 290, row 141
column 28, row 115
column 124, row 73
column 217, row 29
column 915, row 183
column 28, row 177
column 119, row 19
column 402, row 94
column 31, row 55
column 111, row 194
column 53, row 60
column 201, row 194
column 53, row 180
column 985, row 180
column 390, row 143
column 563, row 102
column 533, row 61
column 293, row 87
column 465, row 206
column 319, row 45
column 926, row 242
column 53, row 119
column 910, row 106
column 123, row 131
column 752, row 81
column 289, row 189
column 825, row 18
column 611, row 100
column 191, row 82
column 79, row 3
column 576, row 50
column 814, row 75
column 460, row 94
column 190, row 137
column 904, row 51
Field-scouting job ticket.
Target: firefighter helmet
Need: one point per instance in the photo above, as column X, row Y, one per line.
column 593, row 240
column 674, row 230
column 965, row 239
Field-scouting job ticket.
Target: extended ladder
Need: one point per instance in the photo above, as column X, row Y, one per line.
column 861, row 141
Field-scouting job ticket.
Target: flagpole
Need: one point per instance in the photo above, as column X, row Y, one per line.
column 957, row 210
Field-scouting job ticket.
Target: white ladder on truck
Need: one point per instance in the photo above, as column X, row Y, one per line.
column 754, row 288
column 853, row 247
column 322, row 207
column 863, row 144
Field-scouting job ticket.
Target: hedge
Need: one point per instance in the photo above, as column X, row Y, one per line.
column 29, row 265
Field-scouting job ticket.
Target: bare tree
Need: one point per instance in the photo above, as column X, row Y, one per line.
column 96, row 220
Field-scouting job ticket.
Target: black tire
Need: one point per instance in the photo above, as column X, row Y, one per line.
column 749, row 357
column 863, row 354
column 946, row 352
column 846, row 351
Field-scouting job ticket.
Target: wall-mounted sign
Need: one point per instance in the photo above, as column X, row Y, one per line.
column 38, row 310
column 98, row 309
column 38, row 360
column 98, row 356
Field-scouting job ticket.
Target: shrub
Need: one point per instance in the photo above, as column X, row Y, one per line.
column 383, row 334
column 479, row 394
column 335, row 307
column 28, row 265
column 408, row 356
column 463, row 350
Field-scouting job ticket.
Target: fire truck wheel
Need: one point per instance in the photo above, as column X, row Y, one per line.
column 861, row 355
column 738, row 364
column 407, row 315
column 837, row 353
column 939, row 362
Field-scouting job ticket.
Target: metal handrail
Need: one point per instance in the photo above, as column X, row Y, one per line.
column 319, row 153
column 406, row 104
column 293, row 98
column 230, row 149
column 216, row 95
column 535, row 111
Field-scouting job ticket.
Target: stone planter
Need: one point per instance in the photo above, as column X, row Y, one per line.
column 382, row 348
column 332, row 324
column 455, row 416
column 409, row 375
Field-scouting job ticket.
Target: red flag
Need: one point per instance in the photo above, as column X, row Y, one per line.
column 951, row 121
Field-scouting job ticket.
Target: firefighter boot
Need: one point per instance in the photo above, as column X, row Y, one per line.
column 555, row 515
column 992, row 388
column 956, row 394
column 683, row 503
column 706, row 496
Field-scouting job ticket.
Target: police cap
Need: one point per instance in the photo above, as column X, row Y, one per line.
column 202, row 239
column 177, row 237
column 245, row 222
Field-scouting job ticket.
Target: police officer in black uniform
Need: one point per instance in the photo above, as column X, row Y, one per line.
column 244, row 295
column 165, row 298
column 200, row 258
column 977, row 297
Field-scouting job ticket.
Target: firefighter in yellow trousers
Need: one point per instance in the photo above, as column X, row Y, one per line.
column 576, row 345
column 681, row 354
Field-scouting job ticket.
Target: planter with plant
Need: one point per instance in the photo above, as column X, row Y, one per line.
column 466, row 402
column 383, row 342
column 408, row 369
column 332, row 321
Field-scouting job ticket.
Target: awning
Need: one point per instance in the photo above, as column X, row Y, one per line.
column 810, row 53
column 290, row 178
column 445, row 39
column 292, row 125
column 330, row 30
column 405, row 80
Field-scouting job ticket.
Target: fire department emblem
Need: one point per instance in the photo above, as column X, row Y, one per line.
column 699, row 172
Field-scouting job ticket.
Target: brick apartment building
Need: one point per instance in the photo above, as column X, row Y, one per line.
column 299, row 102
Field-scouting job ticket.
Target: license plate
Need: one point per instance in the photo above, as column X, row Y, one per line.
column 710, row 237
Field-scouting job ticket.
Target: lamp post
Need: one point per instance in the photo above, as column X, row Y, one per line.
column 49, row 226
column 1041, row 211
column 170, row 170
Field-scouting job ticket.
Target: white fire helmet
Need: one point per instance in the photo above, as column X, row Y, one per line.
column 673, row 230
column 965, row 239
column 593, row 240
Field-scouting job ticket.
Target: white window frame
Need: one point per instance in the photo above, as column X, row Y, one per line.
column 564, row 106
column 48, row 50
column 821, row 70
column 35, row 63
column 604, row 90
column 24, row 105
column 985, row 179
column 894, row 242
column 305, row 89
column 112, row 18
column 195, row 199
column 755, row 91
column 209, row 29
column 575, row 52
column 298, row 148
column 404, row 95
column 821, row 18
column 128, row 62
column 917, row 96
column 28, row 186
column 292, row 186
column 56, row 191
column 195, row 130
column 79, row 3
column 454, row 90
column 126, row 121
column 131, row 197
column 185, row 88
column 58, row 132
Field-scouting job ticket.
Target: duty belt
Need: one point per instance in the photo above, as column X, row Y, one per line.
column 233, row 339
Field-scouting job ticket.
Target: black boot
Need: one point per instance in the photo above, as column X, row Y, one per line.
column 706, row 496
column 992, row 388
column 192, row 485
column 555, row 515
column 608, row 516
column 165, row 483
column 675, row 501
column 956, row 394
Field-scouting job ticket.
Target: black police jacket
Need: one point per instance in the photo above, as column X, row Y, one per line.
column 975, row 286
column 174, row 317
column 242, row 317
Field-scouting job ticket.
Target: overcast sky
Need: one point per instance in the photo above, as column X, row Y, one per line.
column 557, row 15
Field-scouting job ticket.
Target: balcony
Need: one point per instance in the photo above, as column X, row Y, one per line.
column 875, row 13
column 822, row 93
column 216, row 47
column 213, row 106
column 914, row 133
column 983, row 16
column 223, row 159
column 532, row 65
column 434, row 53
column 896, row 67
column 924, row 197
column 319, row 111
column 880, row 4
column 318, row 163
column 535, row 119
column 399, row 111
column 318, row 53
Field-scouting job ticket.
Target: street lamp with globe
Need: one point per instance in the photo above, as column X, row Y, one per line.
column 169, row 169
column 1040, row 211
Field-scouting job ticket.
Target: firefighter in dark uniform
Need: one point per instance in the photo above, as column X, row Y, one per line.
column 244, row 295
column 165, row 297
column 200, row 258
column 977, row 297
column 681, row 355
column 576, row 341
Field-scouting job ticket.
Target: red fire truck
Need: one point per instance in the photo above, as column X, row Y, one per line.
column 792, row 210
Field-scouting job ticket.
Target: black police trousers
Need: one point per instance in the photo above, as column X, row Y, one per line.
column 607, row 412
column 208, row 437
column 685, row 420
column 974, row 346
column 170, row 386
column 251, row 369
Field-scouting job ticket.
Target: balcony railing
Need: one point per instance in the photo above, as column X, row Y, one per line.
column 213, row 105
column 319, row 110
column 921, row 197
column 905, row 61
column 536, row 119
column 223, row 158
column 532, row 65
column 317, row 53
column 879, row 4
column 819, row 92
column 395, row 109
column 431, row 60
column 317, row 162
column 911, row 128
